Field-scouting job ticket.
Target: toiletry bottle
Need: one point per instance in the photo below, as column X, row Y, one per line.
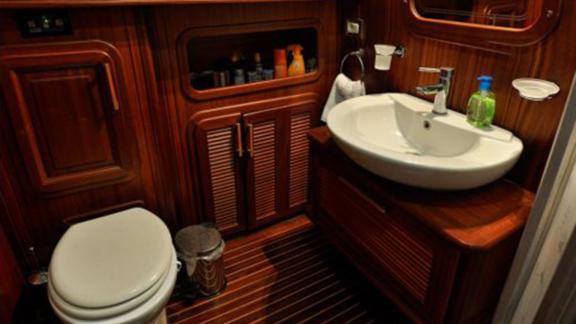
column 297, row 67
column 258, row 66
column 280, row 66
column 236, row 67
column 222, row 72
column 482, row 104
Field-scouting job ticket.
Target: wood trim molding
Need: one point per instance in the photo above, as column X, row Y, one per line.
column 28, row 4
column 478, row 35
column 217, row 93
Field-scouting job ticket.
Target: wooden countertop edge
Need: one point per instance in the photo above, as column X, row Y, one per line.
column 30, row 4
column 508, row 225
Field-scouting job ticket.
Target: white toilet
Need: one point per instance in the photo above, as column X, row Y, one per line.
column 119, row 268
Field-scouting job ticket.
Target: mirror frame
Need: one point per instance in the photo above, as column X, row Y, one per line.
column 478, row 35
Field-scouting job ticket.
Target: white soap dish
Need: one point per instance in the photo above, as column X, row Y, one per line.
column 535, row 89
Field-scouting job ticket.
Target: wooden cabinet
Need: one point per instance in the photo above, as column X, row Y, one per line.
column 253, row 162
column 66, row 110
column 441, row 257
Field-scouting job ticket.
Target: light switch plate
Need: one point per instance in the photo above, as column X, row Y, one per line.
column 352, row 27
column 355, row 27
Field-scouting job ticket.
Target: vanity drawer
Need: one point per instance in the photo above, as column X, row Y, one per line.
column 400, row 256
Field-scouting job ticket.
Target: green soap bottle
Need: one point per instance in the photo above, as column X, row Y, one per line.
column 482, row 104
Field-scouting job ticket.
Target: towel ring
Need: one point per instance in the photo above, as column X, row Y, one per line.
column 358, row 54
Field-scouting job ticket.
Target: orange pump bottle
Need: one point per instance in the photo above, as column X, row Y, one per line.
column 297, row 67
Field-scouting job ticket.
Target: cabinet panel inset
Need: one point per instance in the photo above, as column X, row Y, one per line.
column 264, row 145
column 85, row 142
column 64, row 107
column 300, row 124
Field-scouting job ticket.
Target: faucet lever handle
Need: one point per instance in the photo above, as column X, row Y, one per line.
column 445, row 72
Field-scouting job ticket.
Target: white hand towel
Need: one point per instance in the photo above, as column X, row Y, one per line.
column 343, row 89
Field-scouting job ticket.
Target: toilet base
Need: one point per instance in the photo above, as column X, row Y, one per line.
column 161, row 318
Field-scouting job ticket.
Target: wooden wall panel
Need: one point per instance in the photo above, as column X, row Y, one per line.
column 554, row 59
column 11, row 280
column 39, row 220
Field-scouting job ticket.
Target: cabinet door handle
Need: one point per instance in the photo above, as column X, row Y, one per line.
column 250, row 140
column 111, row 86
column 239, row 148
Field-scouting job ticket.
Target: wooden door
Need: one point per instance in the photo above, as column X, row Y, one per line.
column 266, row 156
column 66, row 106
column 219, row 153
column 301, row 120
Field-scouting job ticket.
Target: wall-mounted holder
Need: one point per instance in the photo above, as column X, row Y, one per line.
column 384, row 54
column 358, row 54
column 535, row 89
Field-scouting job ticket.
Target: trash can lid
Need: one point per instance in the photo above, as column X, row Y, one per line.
column 198, row 239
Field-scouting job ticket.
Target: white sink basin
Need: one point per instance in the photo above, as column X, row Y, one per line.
column 397, row 137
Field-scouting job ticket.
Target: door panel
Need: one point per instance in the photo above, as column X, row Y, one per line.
column 265, row 145
column 64, row 107
column 300, row 124
column 219, row 150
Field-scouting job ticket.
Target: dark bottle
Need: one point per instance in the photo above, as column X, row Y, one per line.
column 222, row 73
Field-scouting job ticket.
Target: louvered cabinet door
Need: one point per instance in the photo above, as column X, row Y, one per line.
column 219, row 153
column 265, row 153
column 299, row 155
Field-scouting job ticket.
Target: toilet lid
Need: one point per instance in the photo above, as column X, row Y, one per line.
column 112, row 259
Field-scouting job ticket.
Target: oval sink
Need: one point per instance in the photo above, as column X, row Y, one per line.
column 397, row 137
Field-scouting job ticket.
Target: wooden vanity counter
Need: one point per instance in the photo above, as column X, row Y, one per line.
column 442, row 257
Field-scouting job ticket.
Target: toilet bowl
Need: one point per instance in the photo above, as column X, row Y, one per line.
column 119, row 268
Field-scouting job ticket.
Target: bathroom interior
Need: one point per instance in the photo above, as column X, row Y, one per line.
column 302, row 161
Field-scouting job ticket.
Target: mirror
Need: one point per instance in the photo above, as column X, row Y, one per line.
column 502, row 13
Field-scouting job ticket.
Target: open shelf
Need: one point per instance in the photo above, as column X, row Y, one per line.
column 205, row 51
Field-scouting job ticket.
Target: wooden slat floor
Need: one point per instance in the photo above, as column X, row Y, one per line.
column 287, row 273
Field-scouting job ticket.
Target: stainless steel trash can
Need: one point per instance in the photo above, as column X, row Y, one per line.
column 201, row 248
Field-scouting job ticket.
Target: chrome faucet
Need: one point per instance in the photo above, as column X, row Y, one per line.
column 441, row 90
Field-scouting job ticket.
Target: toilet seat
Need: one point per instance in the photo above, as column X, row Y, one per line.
column 99, row 313
column 113, row 267
column 144, row 313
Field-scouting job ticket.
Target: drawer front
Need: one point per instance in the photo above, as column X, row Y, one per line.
column 408, row 261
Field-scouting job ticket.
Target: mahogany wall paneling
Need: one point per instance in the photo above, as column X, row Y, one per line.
column 219, row 147
column 535, row 123
column 66, row 106
column 11, row 280
column 477, row 34
column 28, row 4
column 37, row 218
column 265, row 144
column 218, row 35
